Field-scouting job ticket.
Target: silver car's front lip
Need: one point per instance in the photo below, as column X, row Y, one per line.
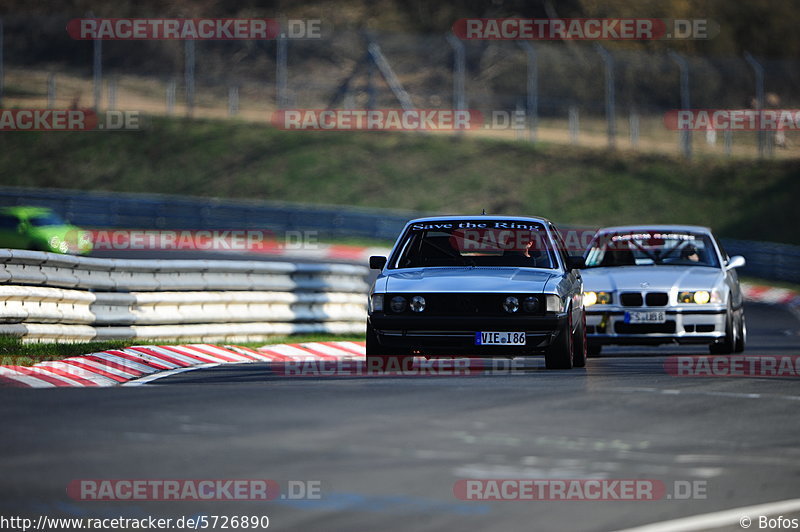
column 687, row 320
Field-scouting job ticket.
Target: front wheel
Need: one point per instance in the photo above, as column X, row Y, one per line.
column 559, row 354
column 741, row 337
column 728, row 343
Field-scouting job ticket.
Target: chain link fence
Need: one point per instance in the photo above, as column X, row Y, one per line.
column 592, row 94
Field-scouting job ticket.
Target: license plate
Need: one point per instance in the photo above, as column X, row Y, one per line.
column 499, row 338
column 645, row 317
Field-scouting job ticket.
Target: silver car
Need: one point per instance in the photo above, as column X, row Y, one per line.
column 478, row 286
column 659, row 284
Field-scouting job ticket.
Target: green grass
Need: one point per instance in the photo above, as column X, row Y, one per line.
column 13, row 352
column 434, row 173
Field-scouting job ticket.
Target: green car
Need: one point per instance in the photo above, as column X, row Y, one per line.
column 41, row 229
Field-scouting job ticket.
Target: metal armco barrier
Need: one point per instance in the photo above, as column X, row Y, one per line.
column 153, row 211
column 46, row 296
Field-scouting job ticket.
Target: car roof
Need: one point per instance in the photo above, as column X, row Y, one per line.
column 25, row 211
column 659, row 227
column 480, row 217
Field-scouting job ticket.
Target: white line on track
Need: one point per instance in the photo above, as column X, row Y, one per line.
column 720, row 519
column 156, row 376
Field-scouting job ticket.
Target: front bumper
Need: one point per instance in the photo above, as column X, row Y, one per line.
column 455, row 336
column 607, row 326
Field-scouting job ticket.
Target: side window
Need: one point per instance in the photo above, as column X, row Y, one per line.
column 8, row 223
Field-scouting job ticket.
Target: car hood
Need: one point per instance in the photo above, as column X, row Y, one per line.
column 657, row 278
column 465, row 280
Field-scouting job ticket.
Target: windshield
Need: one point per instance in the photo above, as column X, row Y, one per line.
column 470, row 243
column 47, row 219
column 643, row 248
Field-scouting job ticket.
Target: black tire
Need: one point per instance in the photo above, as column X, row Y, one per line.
column 593, row 350
column 728, row 343
column 741, row 337
column 580, row 344
column 559, row 354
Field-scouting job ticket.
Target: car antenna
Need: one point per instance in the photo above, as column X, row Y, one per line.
column 483, row 212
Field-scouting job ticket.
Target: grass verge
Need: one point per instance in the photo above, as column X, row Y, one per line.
column 748, row 199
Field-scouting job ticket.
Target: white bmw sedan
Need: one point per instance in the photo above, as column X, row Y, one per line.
column 658, row 284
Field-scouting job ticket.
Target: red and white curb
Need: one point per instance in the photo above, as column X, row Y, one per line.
column 141, row 364
column 770, row 294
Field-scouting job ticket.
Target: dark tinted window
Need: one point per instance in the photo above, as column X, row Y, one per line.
column 8, row 222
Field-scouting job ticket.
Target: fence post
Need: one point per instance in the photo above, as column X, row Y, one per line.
column 112, row 94
column 727, row 136
column 532, row 102
column 97, row 71
column 608, row 59
column 188, row 75
column 233, row 100
column 459, row 72
column 633, row 123
column 2, row 69
column 574, row 124
column 51, row 90
column 758, row 70
column 372, row 93
column 281, row 75
column 685, row 134
column 171, row 89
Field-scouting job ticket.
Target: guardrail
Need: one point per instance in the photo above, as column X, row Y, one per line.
column 155, row 211
column 46, row 296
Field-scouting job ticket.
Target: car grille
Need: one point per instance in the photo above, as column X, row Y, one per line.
column 631, row 299
column 668, row 327
column 656, row 299
column 635, row 299
column 456, row 304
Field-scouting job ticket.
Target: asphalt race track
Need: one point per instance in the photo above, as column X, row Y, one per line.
column 388, row 451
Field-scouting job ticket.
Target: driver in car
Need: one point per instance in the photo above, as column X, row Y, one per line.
column 690, row 253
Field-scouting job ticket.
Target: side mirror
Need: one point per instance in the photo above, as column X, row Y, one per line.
column 735, row 262
column 22, row 227
column 377, row 262
column 575, row 263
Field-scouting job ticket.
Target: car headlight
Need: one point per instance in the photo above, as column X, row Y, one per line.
column 701, row 297
column 376, row 303
column 530, row 304
column 554, row 303
column 417, row 303
column 596, row 298
column 398, row 304
column 511, row 304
